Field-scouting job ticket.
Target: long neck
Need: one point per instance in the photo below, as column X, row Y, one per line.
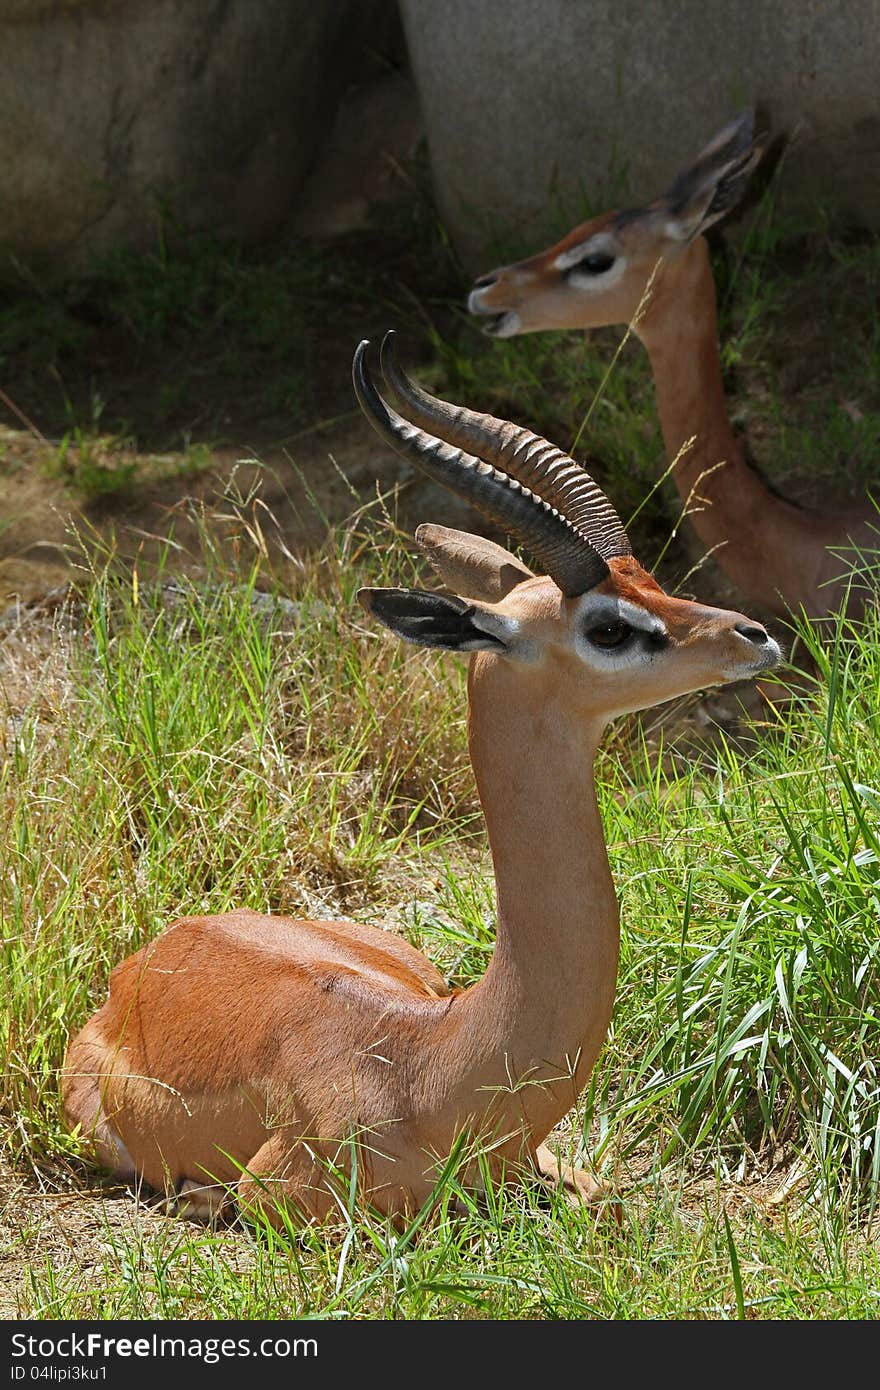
column 762, row 543
column 542, row 1010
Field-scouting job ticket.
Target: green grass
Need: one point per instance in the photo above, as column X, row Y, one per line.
column 801, row 348
column 800, row 340
column 177, row 742
column 521, row 1259
column 186, row 745
column 195, row 338
column 195, row 307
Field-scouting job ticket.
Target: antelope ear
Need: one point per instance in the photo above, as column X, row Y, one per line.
column 471, row 565
column 715, row 182
column 435, row 620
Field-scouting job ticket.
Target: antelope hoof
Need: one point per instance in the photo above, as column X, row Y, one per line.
column 579, row 1188
column 197, row 1201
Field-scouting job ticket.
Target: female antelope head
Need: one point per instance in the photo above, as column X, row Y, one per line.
column 596, row 631
column 599, row 273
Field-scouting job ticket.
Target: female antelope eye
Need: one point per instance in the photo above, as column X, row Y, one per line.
column 596, row 263
column 610, row 635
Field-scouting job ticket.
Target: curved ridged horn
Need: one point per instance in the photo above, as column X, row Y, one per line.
column 533, row 461
column 569, row 560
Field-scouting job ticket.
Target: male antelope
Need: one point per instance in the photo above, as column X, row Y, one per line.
column 250, row 1050
column 777, row 554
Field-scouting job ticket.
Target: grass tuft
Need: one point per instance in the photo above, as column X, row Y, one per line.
column 241, row 737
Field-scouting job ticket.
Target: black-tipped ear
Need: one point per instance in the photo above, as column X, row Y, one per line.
column 717, row 180
column 434, row 620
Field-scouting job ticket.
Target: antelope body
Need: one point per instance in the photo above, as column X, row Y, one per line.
column 249, row 1051
column 649, row 267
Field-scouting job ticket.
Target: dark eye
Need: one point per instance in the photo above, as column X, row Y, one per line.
column 611, row 635
column 596, row 263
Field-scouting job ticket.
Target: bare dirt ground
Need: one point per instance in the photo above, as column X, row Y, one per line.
column 318, row 481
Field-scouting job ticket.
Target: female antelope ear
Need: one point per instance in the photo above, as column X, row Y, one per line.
column 435, row 620
column 469, row 564
column 715, row 182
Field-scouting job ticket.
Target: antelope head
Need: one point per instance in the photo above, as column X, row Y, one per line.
column 594, row 626
column 600, row 272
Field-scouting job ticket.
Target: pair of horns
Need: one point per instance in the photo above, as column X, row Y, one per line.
column 520, row 481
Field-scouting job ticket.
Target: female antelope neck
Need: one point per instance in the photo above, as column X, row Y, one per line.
column 555, row 961
column 757, row 529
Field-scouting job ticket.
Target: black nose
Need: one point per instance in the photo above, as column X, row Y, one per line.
column 753, row 632
column 484, row 282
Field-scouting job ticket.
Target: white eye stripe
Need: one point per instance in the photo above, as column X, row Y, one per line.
column 641, row 619
column 636, row 650
column 597, row 609
column 600, row 245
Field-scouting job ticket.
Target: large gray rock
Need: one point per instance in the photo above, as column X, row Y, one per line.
column 536, row 111
column 111, row 108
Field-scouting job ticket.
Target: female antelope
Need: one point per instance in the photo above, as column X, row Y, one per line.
column 253, row 1051
column 650, row 267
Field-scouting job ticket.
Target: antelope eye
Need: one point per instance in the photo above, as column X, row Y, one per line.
column 596, row 263
column 609, row 635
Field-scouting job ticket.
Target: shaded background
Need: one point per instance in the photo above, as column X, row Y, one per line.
column 221, row 107
column 205, row 205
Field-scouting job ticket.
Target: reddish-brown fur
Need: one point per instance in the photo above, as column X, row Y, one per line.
column 255, row 1050
column 777, row 555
